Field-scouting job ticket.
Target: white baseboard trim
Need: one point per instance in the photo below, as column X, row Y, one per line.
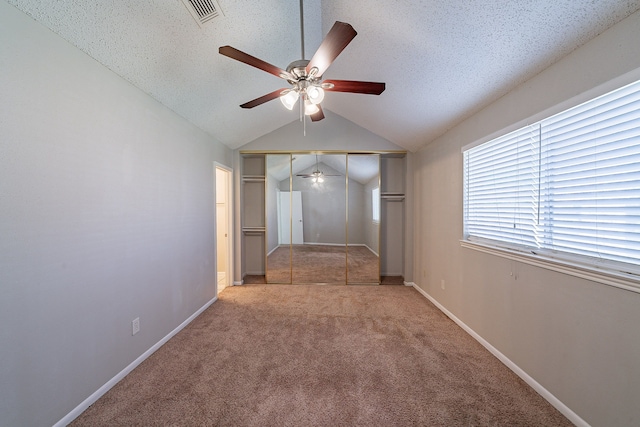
column 411, row 284
column 546, row 394
column 341, row 245
column 113, row 381
column 241, row 282
column 273, row 250
column 324, row 244
column 364, row 245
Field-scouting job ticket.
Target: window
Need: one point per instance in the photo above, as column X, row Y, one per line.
column 375, row 204
column 566, row 187
column 501, row 186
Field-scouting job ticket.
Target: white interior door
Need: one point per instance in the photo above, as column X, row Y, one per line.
column 284, row 226
column 223, row 229
column 290, row 231
column 297, row 224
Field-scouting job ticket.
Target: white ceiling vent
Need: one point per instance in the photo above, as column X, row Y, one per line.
column 203, row 11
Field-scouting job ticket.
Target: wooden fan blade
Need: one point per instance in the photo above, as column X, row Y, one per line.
column 238, row 55
column 265, row 98
column 336, row 40
column 316, row 117
column 369, row 88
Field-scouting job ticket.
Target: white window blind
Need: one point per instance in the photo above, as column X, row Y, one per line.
column 567, row 185
column 501, row 188
column 591, row 179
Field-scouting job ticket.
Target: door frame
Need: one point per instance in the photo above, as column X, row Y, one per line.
column 229, row 204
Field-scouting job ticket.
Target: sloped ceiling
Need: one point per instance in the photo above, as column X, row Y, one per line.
column 441, row 60
column 362, row 168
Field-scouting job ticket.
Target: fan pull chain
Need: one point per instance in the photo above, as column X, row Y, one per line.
column 302, row 118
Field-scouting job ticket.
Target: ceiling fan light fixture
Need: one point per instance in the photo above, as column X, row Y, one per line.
column 310, row 108
column 289, row 98
column 315, row 94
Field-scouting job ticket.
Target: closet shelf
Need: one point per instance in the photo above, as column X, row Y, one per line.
column 253, row 178
column 253, row 230
column 392, row 197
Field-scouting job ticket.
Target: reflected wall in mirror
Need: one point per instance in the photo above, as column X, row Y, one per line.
column 322, row 218
column 280, row 229
column 320, row 180
column 363, row 259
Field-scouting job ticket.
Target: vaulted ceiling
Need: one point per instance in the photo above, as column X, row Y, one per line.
column 441, row 60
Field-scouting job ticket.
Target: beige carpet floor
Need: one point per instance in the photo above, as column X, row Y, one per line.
column 322, row 264
column 274, row 355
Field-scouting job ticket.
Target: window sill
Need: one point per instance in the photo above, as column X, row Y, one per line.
column 626, row 281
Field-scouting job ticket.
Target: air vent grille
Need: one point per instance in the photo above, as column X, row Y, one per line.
column 203, row 11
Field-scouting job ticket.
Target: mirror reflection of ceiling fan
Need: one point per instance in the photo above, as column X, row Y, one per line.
column 305, row 76
column 317, row 175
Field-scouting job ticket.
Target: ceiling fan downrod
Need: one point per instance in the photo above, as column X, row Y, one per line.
column 301, row 29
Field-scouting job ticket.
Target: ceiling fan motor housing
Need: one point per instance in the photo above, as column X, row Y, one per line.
column 298, row 68
column 303, row 80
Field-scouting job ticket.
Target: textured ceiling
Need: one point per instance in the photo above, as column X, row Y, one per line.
column 441, row 60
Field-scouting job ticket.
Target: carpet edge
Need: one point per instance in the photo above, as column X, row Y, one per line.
column 75, row 412
column 542, row 391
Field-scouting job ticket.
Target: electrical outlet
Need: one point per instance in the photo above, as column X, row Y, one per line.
column 135, row 326
column 442, row 283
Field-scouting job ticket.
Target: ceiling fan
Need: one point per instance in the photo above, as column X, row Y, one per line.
column 317, row 174
column 305, row 76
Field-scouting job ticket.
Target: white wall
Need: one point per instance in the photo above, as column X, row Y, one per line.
column 324, row 210
column 579, row 339
column 333, row 133
column 106, row 214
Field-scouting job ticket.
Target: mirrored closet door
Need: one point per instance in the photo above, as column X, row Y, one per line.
column 320, row 182
column 281, row 231
column 322, row 215
column 363, row 222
